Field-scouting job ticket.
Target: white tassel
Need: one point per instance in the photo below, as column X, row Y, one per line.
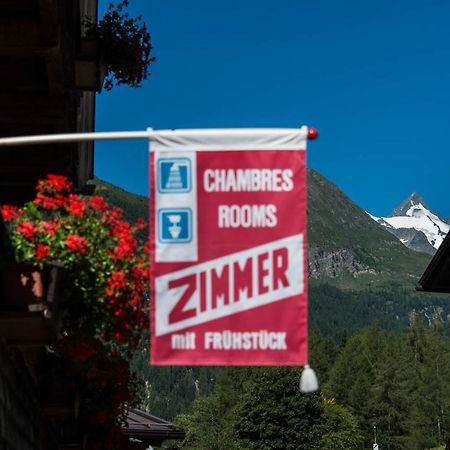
column 308, row 380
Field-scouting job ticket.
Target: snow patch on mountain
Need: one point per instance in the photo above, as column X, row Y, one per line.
column 412, row 221
column 421, row 219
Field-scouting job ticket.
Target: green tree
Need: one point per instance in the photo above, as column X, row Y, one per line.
column 211, row 424
column 206, row 427
column 428, row 420
column 262, row 408
column 274, row 414
column 339, row 429
column 391, row 396
column 322, row 354
column 353, row 375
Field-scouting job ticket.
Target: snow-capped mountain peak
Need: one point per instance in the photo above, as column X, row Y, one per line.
column 413, row 200
column 416, row 225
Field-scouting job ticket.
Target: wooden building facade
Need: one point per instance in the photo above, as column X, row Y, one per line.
column 40, row 44
column 49, row 75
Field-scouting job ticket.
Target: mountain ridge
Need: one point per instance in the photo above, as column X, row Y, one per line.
column 345, row 246
column 362, row 251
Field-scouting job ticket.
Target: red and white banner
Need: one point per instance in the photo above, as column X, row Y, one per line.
column 228, row 247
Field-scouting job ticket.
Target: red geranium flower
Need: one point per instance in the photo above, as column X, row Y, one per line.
column 118, row 280
column 77, row 243
column 48, row 202
column 98, row 203
column 48, row 227
column 56, row 183
column 120, row 229
column 140, row 224
column 118, row 312
column 27, row 229
column 135, row 300
column 9, row 212
column 42, row 251
column 76, row 205
column 125, row 248
column 139, row 273
column 113, row 301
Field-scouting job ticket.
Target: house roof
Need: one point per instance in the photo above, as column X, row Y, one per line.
column 145, row 429
column 436, row 277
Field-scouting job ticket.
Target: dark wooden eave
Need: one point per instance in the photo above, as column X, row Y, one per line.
column 39, row 44
column 144, row 429
column 436, row 277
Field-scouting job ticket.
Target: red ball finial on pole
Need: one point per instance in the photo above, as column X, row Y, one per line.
column 312, row 134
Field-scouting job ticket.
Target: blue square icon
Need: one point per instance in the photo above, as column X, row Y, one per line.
column 175, row 225
column 174, row 175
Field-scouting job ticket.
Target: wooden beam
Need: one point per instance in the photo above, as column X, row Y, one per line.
column 30, row 51
column 71, row 447
column 57, row 411
column 15, row 9
column 26, row 327
column 32, row 117
column 28, row 37
column 37, row 109
column 48, row 10
column 33, row 355
column 9, row 100
column 55, row 73
column 50, row 17
column 26, row 33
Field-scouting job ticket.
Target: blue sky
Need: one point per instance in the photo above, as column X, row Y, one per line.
column 372, row 76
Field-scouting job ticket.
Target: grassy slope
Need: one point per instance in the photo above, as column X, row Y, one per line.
column 335, row 222
column 134, row 205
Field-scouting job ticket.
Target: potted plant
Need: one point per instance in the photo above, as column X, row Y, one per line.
column 120, row 44
column 105, row 266
column 104, row 293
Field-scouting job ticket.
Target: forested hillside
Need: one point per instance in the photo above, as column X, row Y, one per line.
column 390, row 375
column 396, row 383
column 133, row 205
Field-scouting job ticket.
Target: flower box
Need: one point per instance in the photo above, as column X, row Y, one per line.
column 29, row 304
column 25, row 287
column 90, row 70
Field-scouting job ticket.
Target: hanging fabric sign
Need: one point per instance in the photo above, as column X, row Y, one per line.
column 228, row 247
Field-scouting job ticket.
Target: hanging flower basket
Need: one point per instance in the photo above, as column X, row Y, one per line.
column 125, row 46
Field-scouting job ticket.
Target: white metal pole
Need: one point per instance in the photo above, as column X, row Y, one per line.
column 40, row 139
column 73, row 137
